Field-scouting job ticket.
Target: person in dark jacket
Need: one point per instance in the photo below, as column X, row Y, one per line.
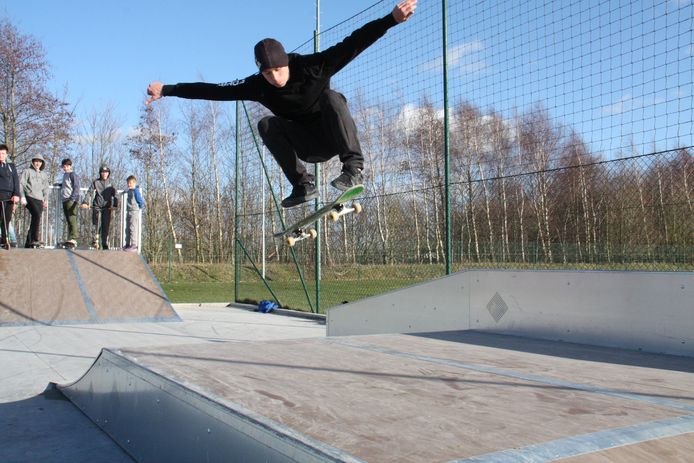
column 103, row 198
column 34, row 191
column 9, row 195
column 70, row 197
column 311, row 122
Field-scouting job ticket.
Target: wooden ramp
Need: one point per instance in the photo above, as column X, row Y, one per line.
column 65, row 287
column 460, row 396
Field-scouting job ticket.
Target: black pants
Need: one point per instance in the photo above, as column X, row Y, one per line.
column 101, row 219
column 6, row 208
column 35, row 207
column 332, row 134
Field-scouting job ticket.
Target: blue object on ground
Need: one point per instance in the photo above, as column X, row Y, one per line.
column 267, row 306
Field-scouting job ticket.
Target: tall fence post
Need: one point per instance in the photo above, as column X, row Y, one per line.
column 316, row 49
column 446, row 145
column 236, row 207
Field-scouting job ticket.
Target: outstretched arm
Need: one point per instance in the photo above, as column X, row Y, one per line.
column 338, row 56
column 241, row 89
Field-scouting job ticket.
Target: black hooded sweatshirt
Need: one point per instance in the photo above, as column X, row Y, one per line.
column 309, row 77
column 9, row 180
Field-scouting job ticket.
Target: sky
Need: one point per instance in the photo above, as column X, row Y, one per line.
column 619, row 72
column 106, row 52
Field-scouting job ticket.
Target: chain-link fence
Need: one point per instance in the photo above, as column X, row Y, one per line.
column 569, row 137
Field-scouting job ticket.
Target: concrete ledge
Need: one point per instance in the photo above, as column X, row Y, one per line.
column 649, row 311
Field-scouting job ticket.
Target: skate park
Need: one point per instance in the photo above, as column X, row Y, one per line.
column 518, row 286
column 475, row 366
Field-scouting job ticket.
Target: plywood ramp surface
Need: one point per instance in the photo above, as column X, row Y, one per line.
column 60, row 287
column 456, row 397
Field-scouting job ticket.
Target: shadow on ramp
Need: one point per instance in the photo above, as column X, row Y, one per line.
column 48, row 427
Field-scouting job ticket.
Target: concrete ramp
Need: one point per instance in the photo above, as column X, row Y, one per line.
column 66, row 287
column 648, row 311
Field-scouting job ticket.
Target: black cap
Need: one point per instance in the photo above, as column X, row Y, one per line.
column 269, row 53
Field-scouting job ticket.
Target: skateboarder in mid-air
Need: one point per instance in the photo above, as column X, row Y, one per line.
column 311, row 122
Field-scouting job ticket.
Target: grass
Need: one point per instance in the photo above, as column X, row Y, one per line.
column 291, row 294
column 199, row 291
column 340, row 283
column 214, row 283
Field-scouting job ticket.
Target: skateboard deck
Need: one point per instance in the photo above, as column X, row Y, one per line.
column 336, row 209
column 74, row 247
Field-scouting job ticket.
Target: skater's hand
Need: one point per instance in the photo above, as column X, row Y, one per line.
column 15, row 199
column 154, row 91
column 404, row 10
column 84, row 206
column 45, row 204
column 23, row 201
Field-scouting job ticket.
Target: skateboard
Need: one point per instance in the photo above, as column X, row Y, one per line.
column 334, row 210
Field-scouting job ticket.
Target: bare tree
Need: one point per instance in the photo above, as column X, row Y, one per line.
column 101, row 142
column 192, row 126
column 429, row 149
column 467, row 153
column 539, row 141
column 32, row 118
column 377, row 141
column 212, row 136
column 501, row 151
column 152, row 147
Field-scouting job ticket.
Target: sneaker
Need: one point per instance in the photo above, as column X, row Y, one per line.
column 347, row 179
column 300, row 194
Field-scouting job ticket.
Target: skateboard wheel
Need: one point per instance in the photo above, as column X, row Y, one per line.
column 291, row 241
column 357, row 208
column 334, row 216
column 313, row 233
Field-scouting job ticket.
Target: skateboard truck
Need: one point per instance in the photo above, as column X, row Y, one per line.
column 342, row 209
column 299, row 235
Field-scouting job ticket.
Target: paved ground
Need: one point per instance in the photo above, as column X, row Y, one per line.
column 42, row 426
column 465, row 395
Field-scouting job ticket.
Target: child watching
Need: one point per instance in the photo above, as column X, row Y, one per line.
column 134, row 204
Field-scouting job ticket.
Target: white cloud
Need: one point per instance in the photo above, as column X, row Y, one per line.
column 464, row 56
column 629, row 103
